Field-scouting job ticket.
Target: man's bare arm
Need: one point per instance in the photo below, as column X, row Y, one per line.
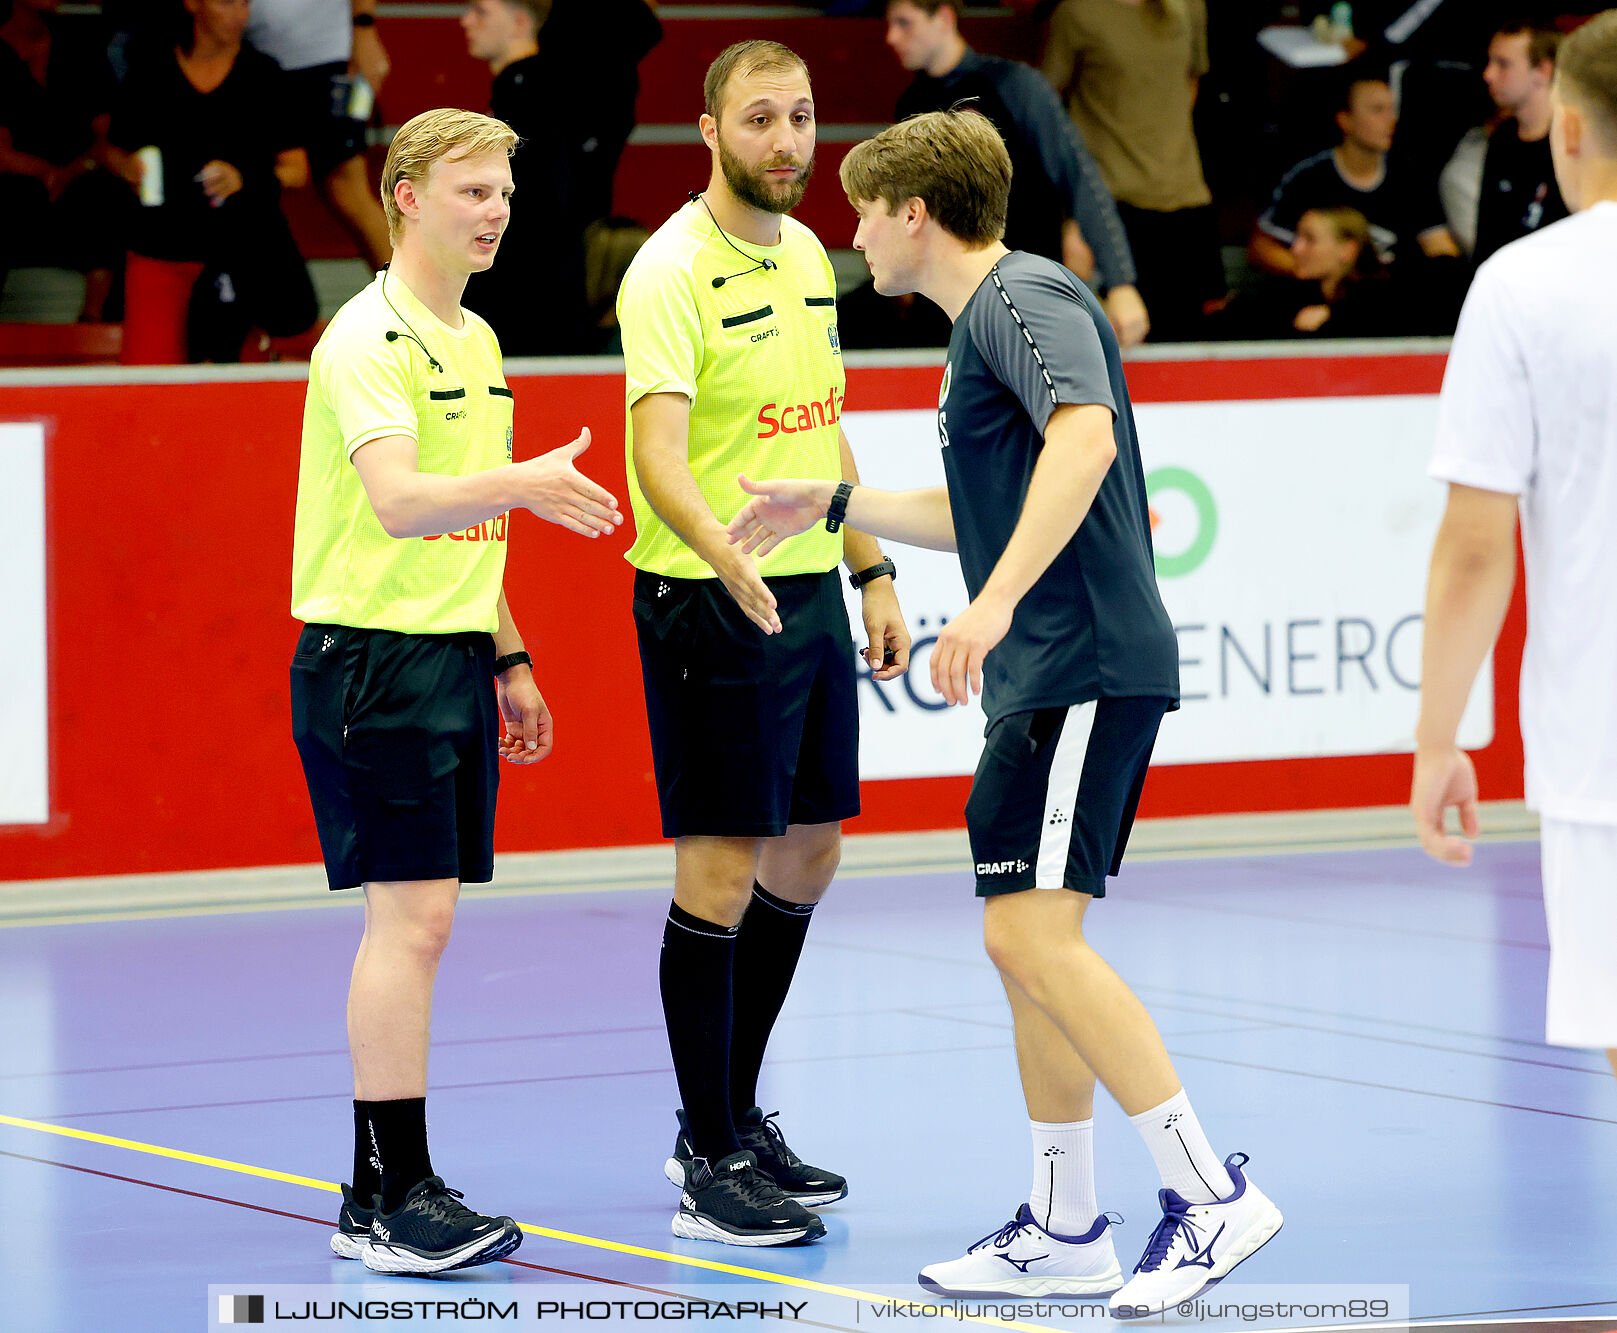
column 411, row 503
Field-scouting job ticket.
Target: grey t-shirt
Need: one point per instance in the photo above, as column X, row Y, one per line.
column 299, row 34
column 1031, row 338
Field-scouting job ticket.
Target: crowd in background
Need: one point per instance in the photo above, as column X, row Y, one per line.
column 1204, row 188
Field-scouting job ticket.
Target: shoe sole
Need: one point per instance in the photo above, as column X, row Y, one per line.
column 1256, row 1239
column 674, row 1172
column 345, row 1246
column 1032, row 1287
column 400, row 1259
column 692, row 1226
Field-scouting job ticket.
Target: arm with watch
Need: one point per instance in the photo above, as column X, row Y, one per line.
column 529, row 731
column 872, row 573
column 369, row 59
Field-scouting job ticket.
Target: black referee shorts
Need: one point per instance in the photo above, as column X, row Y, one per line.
column 1055, row 793
column 750, row 731
column 399, row 737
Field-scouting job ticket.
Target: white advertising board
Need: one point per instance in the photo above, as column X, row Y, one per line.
column 24, row 742
column 1292, row 539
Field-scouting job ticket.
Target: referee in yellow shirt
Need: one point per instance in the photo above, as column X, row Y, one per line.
column 409, row 658
column 730, row 345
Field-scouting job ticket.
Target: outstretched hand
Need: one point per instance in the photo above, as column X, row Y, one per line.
column 555, row 490
column 778, row 510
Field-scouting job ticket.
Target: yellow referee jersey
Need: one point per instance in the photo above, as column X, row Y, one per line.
column 759, row 359
column 346, row 570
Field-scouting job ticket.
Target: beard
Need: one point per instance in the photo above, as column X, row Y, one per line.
column 756, row 190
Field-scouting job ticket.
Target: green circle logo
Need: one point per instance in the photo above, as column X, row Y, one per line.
column 1194, row 489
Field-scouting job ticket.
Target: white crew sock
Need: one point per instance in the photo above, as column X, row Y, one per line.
column 1186, row 1160
column 1063, row 1194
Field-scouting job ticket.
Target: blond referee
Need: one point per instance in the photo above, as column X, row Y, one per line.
column 409, row 658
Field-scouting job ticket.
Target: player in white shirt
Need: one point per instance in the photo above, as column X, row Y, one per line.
column 1529, row 420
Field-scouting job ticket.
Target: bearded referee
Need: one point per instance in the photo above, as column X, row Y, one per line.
column 409, row 658
column 730, row 343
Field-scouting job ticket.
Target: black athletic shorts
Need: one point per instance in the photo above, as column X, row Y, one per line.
column 750, row 731
column 319, row 99
column 1055, row 793
column 399, row 736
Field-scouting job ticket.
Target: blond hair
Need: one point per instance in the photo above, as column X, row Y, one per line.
column 953, row 161
column 447, row 134
column 1587, row 61
column 742, row 60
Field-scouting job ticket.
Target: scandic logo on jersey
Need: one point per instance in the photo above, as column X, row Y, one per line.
column 493, row 530
column 799, row 416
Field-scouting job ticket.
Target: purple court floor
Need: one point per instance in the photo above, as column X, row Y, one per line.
column 174, row 1099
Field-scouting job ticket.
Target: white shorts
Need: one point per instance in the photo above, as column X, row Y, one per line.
column 1580, row 903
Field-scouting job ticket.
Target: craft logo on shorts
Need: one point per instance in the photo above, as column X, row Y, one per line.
column 241, row 1309
column 1184, row 520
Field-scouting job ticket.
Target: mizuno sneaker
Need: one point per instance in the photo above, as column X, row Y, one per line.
column 353, row 1227
column 1023, row 1259
column 810, row 1186
column 1196, row 1245
column 433, row 1232
column 733, row 1202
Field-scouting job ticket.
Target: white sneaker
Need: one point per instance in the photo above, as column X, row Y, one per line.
column 1196, row 1245
column 1023, row 1259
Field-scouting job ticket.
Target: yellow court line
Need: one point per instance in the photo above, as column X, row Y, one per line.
column 571, row 1237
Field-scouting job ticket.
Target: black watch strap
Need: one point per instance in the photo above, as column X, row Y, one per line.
column 837, row 512
column 364, row 20
column 504, row 664
column 864, row 576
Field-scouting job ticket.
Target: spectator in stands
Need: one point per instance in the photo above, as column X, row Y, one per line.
column 1059, row 205
column 1129, row 71
column 208, row 105
column 1406, row 218
column 1519, row 194
column 1338, row 288
column 592, row 50
column 335, row 64
column 65, row 190
column 535, row 302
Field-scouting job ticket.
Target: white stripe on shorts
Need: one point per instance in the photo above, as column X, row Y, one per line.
column 1061, row 797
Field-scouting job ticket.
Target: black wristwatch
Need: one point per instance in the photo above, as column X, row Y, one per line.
column 837, row 512
column 364, row 20
column 864, row 576
column 504, row 664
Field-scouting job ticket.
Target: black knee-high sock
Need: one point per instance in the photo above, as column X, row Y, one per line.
column 767, row 950
column 400, row 1128
column 367, row 1175
column 695, row 969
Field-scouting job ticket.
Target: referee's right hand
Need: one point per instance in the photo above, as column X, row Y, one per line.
column 741, row 579
column 558, row 492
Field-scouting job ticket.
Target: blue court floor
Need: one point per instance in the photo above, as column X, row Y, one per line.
column 174, row 1092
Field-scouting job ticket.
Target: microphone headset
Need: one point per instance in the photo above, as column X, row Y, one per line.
column 393, row 335
column 768, row 265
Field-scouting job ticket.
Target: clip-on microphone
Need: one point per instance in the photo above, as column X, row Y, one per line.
column 768, row 265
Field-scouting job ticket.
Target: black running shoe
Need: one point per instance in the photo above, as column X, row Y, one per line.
column 353, row 1227
column 758, row 1134
column 433, row 1232
column 734, row 1203
column 809, row 1185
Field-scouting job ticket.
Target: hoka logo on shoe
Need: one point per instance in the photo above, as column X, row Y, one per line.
column 685, row 1201
column 1202, row 1258
column 379, row 1232
column 1001, row 867
column 1021, row 1264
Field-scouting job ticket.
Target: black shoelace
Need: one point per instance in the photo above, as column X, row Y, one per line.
column 775, row 1141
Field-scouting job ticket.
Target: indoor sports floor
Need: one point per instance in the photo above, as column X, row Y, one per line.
column 174, row 1102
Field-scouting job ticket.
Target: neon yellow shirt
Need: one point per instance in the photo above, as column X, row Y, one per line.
column 759, row 359
column 346, row 570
